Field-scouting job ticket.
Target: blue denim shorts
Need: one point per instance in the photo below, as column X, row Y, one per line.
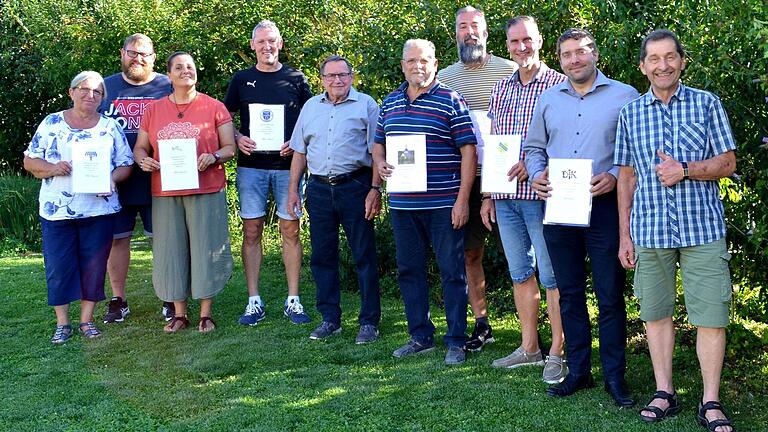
column 254, row 186
column 125, row 220
column 521, row 229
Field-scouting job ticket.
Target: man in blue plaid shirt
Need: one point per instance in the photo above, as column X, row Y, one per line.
column 673, row 145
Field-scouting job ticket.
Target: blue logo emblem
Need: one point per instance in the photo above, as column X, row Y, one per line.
column 266, row 115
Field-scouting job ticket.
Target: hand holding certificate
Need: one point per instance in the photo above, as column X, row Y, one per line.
column 408, row 155
column 570, row 202
column 178, row 164
column 501, row 153
column 267, row 123
column 92, row 166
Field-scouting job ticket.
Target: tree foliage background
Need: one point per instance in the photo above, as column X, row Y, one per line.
column 44, row 43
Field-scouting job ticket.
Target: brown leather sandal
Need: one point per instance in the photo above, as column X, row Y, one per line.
column 202, row 325
column 176, row 324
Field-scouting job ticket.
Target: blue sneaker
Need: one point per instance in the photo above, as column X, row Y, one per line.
column 252, row 315
column 295, row 312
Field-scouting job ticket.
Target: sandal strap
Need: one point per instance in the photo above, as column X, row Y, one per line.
column 661, row 394
column 712, row 405
column 654, row 409
column 204, row 320
column 182, row 319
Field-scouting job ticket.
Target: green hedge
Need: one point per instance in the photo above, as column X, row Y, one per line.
column 19, row 223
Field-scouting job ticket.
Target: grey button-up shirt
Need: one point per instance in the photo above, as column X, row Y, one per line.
column 568, row 125
column 337, row 138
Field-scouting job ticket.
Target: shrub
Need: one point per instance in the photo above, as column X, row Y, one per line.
column 19, row 223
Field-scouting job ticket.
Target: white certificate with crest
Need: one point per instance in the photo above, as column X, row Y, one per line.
column 408, row 154
column 92, row 166
column 482, row 126
column 267, row 125
column 501, row 153
column 178, row 164
column 571, row 200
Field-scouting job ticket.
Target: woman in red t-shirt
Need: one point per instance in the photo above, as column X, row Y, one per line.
column 191, row 251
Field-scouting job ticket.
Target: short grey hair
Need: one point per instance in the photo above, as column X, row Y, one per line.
column 138, row 37
column 266, row 24
column 471, row 9
column 520, row 19
column 420, row 43
column 335, row 58
column 86, row 75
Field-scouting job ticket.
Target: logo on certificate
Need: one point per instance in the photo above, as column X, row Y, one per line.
column 267, row 115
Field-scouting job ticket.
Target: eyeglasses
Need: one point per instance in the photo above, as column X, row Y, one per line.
column 333, row 76
column 85, row 91
column 134, row 54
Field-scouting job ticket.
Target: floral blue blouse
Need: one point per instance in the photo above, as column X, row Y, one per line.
column 53, row 143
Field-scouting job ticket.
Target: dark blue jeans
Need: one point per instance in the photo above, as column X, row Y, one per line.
column 328, row 206
column 568, row 250
column 414, row 230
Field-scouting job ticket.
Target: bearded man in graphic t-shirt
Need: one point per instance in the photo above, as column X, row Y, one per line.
column 128, row 94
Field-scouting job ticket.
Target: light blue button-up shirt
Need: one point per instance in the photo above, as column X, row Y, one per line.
column 568, row 125
column 337, row 138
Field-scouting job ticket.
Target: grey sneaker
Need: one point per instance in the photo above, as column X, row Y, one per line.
column 368, row 333
column 324, row 330
column 519, row 358
column 555, row 370
column 455, row 355
column 413, row 347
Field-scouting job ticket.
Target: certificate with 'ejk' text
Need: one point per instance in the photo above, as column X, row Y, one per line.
column 571, row 200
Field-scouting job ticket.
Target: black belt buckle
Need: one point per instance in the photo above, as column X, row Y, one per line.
column 337, row 179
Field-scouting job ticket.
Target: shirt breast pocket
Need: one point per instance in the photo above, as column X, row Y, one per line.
column 692, row 137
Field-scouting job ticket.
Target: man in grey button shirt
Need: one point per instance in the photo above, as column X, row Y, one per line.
column 333, row 137
column 577, row 120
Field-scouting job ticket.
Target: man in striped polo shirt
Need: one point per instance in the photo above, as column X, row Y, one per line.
column 424, row 106
column 473, row 76
column 673, row 145
column 520, row 215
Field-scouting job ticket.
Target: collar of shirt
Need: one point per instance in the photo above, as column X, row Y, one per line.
column 404, row 88
column 600, row 80
column 539, row 74
column 650, row 98
column 352, row 96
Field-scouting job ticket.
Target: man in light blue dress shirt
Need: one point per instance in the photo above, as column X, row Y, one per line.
column 674, row 144
column 333, row 137
column 577, row 120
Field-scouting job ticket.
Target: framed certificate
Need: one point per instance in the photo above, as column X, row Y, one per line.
column 178, row 164
column 501, row 153
column 92, row 166
column 571, row 200
column 408, row 154
column 267, row 123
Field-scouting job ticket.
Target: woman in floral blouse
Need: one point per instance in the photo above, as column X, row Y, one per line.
column 77, row 227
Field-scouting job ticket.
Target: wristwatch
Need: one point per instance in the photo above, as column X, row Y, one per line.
column 685, row 170
column 379, row 189
column 217, row 156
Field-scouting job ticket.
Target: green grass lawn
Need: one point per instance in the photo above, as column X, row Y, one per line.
column 272, row 377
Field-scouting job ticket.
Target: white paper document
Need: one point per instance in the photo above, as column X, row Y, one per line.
column 571, row 200
column 501, row 153
column 267, row 123
column 92, row 166
column 408, row 154
column 482, row 126
column 178, row 164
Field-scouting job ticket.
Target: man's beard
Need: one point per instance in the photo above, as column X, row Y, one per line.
column 471, row 54
column 137, row 72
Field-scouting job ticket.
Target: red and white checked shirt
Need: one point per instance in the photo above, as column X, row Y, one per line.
column 511, row 109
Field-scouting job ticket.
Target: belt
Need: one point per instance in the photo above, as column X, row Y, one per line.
column 341, row 178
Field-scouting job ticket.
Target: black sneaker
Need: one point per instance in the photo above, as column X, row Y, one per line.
column 168, row 311
column 117, row 310
column 481, row 335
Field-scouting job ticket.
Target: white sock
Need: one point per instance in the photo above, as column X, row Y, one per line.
column 292, row 299
column 255, row 300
